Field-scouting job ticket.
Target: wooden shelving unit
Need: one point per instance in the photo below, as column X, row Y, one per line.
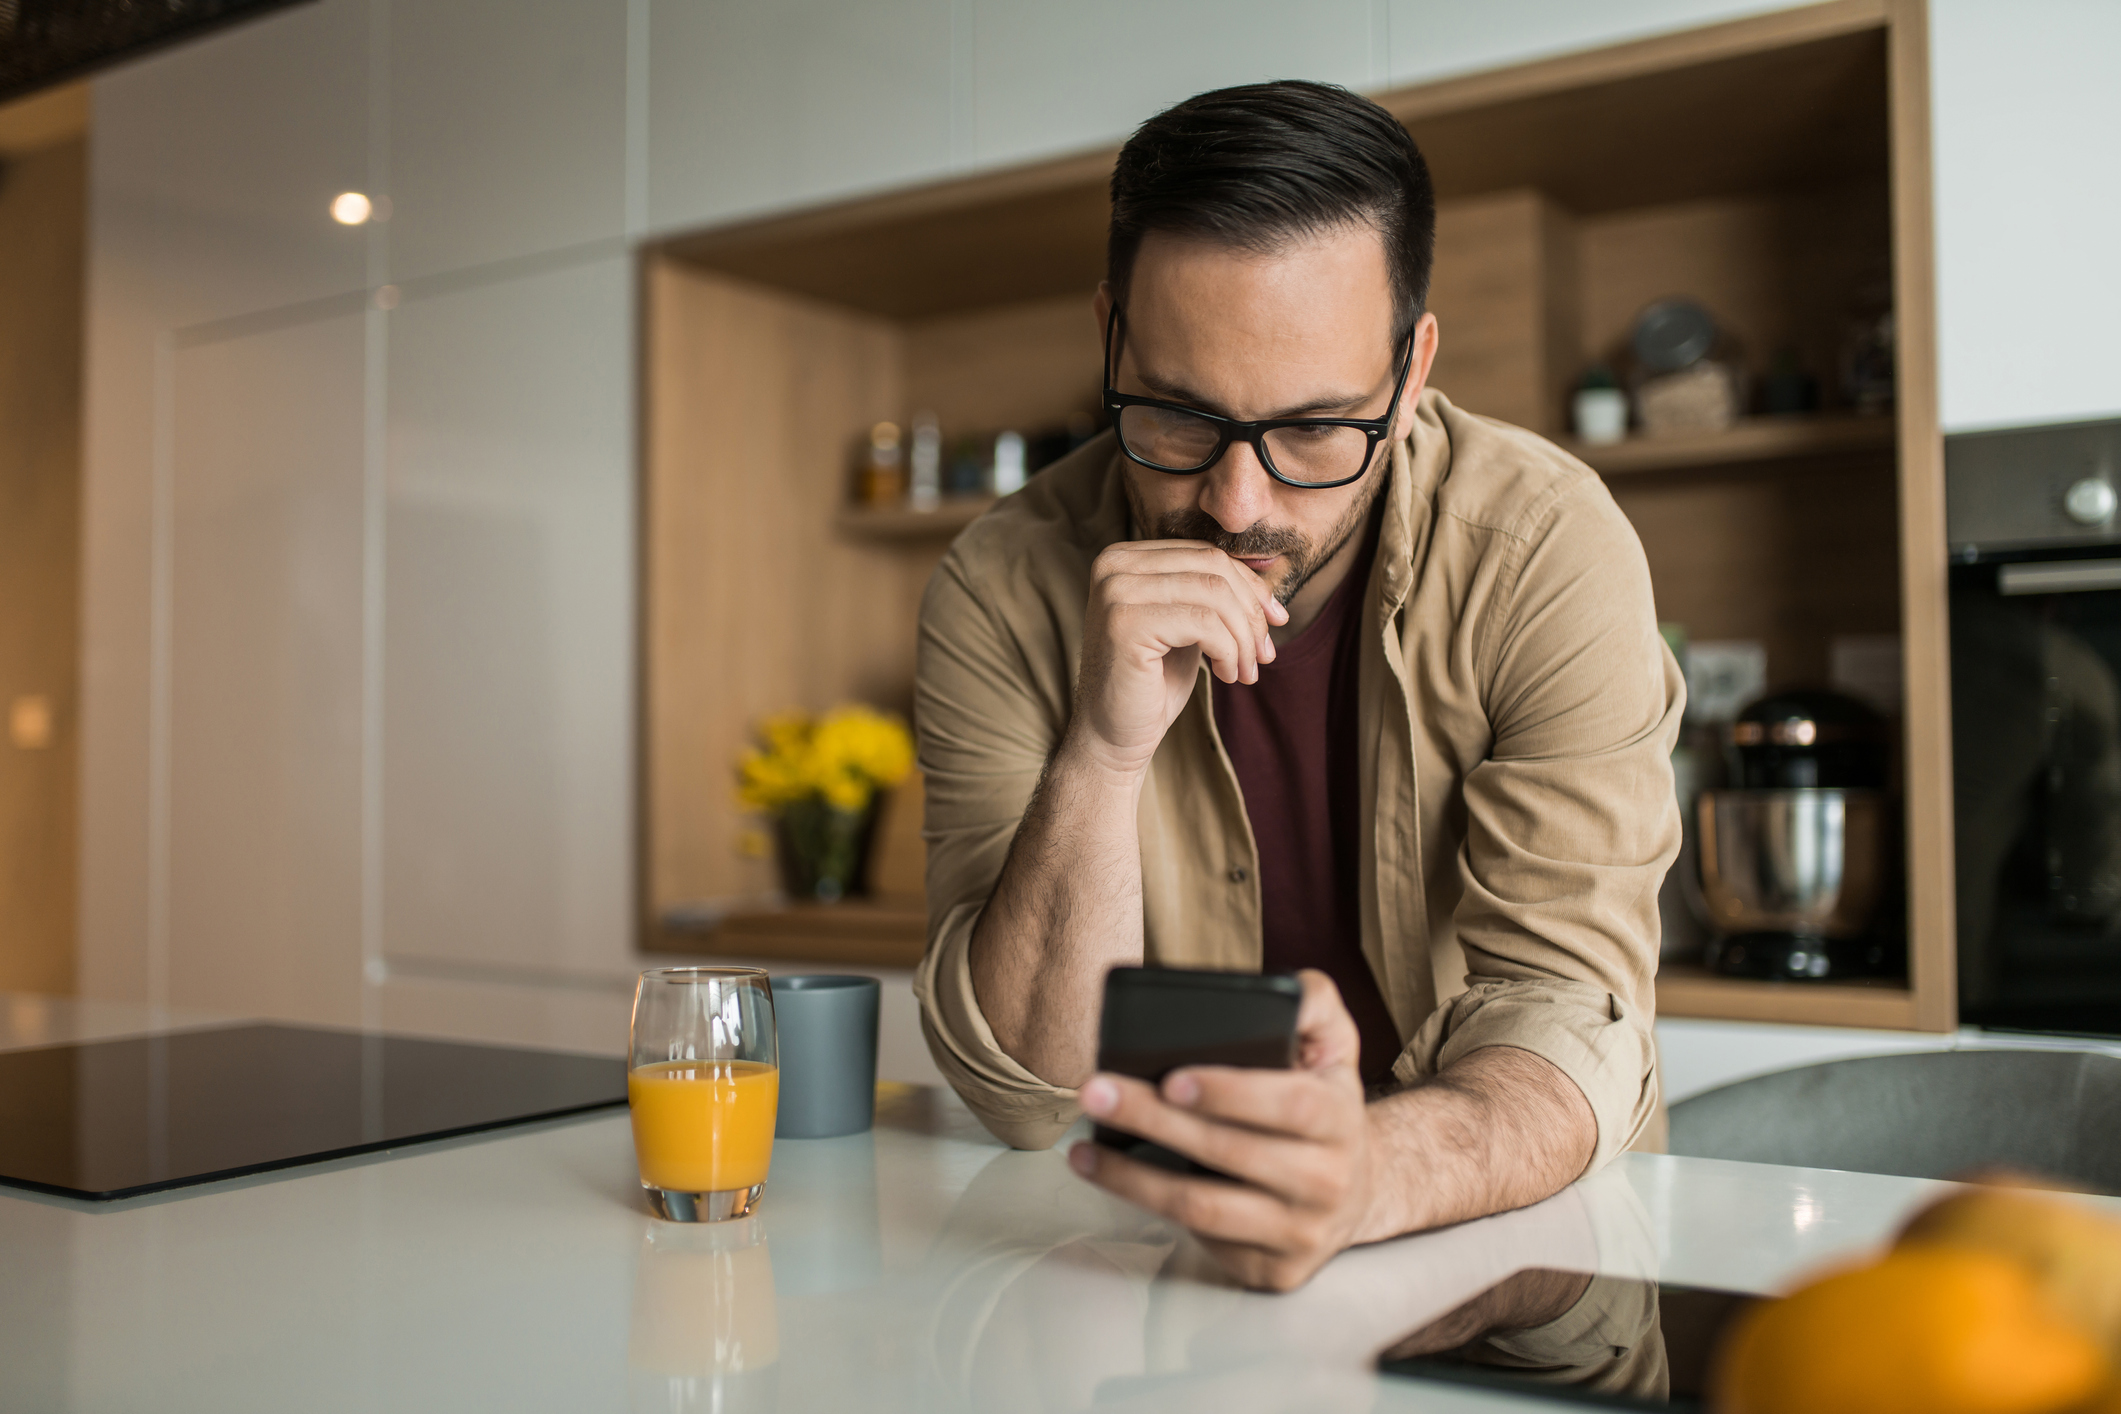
column 1753, row 439
column 906, row 523
column 858, row 932
column 1768, row 167
column 1686, row 990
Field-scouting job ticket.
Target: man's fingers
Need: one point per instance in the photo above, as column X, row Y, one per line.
column 1326, row 1034
column 1207, row 1207
column 1297, row 1103
column 1159, row 557
column 1218, row 583
column 1286, row 1164
column 1158, row 626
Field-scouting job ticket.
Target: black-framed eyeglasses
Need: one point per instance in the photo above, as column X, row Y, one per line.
column 1313, row 453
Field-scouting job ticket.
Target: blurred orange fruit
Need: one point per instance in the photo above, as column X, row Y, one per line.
column 1927, row 1330
column 2072, row 1250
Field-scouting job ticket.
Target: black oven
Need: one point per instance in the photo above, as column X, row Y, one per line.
column 2036, row 725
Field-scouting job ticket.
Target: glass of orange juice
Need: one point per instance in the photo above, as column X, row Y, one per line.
column 703, row 1083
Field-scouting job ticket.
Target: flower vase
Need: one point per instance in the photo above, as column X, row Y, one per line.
column 823, row 850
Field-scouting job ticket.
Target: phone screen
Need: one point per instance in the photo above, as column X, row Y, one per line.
column 1157, row 1019
column 1616, row 1342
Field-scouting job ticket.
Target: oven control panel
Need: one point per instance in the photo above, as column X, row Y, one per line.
column 2033, row 487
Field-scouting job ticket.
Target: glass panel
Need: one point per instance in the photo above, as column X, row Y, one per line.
column 1169, row 438
column 2036, row 725
column 1318, row 453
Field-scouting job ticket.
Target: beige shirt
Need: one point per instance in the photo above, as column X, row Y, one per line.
column 1518, row 711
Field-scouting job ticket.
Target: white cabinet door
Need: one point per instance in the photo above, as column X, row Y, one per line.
column 508, row 624
column 2026, row 124
column 507, row 129
column 770, row 103
column 215, row 165
column 265, row 617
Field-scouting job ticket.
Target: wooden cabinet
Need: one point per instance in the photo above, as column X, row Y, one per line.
column 1769, row 168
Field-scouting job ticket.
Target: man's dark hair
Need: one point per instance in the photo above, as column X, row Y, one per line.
column 1261, row 165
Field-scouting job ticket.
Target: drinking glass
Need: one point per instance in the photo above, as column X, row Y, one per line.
column 703, row 1083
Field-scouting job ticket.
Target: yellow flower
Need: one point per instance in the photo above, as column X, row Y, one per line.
column 844, row 790
column 866, row 742
column 842, row 758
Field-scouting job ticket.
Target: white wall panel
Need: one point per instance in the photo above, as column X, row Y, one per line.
column 265, row 700
column 2026, row 127
column 1432, row 39
column 1050, row 78
column 117, row 553
column 508, row 624
column 224, row 155
column 507, row 129
column 769, row 103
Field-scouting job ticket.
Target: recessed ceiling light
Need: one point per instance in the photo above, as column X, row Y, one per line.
column 350, row 208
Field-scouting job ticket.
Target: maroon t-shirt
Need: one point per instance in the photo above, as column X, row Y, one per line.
column 1293, row 738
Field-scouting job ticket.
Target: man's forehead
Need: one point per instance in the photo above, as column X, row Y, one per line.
column 1334, row 286
column 1350, row 255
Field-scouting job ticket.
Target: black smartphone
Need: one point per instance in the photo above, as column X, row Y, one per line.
column 1157, row 1019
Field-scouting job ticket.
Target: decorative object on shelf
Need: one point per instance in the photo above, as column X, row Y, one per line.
column 817, row 777
column 1009, row 472
column 1793, row 855
column 925, row 475
column 1722, row 676
column 1047, row 446
column 883, row 479
column 1703, row 398
column 1868, row 667
column 1600, row 408
column 1788, row 389
column 1867, row 348
column 1681, row 388
column 1671, row 335
column 969, row 469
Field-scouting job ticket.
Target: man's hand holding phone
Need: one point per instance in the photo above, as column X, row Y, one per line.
column 1298, row 1141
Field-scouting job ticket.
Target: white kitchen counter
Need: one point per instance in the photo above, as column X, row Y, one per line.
column 919, row 1267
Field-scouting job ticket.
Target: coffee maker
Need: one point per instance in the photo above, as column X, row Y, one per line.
column 1793, row 854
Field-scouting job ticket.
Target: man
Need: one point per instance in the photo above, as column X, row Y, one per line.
column 1300, row 667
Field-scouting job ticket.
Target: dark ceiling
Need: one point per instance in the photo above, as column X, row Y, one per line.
column 43, row 42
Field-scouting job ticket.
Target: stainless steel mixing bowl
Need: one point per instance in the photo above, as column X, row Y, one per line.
column 1807, row 862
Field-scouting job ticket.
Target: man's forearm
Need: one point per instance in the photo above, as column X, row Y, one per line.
column 1066, row 908
column 1500, row 1128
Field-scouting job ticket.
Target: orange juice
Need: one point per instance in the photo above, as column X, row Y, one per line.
column 703, row 1126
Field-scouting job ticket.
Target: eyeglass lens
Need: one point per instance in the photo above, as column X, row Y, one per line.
column 1180, row 441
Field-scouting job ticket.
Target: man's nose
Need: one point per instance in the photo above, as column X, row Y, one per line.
column 1239, row 491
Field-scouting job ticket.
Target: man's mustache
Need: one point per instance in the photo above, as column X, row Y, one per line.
column 1256, row 542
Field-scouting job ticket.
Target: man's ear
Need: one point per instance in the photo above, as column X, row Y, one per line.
column 1428, row 338
column 1101, row 305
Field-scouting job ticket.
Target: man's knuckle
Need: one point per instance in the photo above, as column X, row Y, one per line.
column 1280, row 1274
column 1195, row 1206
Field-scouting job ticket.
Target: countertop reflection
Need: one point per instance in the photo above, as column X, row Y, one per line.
column 921, row 1266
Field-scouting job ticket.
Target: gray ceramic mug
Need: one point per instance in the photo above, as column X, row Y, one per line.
column 827, row 1029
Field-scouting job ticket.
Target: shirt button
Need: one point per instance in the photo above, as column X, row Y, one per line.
column 1238, row 876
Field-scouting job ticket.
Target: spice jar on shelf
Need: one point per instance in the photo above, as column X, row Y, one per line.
column 883, row 475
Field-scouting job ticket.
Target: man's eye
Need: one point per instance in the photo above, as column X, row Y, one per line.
column 1312, row 431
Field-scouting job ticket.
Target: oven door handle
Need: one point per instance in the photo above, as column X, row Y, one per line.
column 2068, row 577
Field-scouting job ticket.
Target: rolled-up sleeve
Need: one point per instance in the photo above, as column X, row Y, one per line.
column 987, row 718
column 1571, row 822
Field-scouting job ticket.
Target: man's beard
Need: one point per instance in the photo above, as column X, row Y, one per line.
column 1261, row 541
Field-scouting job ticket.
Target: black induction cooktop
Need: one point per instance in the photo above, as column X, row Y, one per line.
column 115, row 1119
